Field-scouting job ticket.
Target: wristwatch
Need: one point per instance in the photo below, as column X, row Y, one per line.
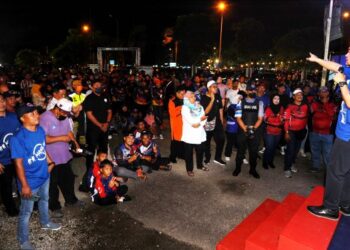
column 342, row 84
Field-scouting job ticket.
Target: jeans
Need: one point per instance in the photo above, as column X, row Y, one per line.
column 231, row 139
column 219, row 138
column 321, row 145
column 26, row 209
column 293, row 147
column 271, row 143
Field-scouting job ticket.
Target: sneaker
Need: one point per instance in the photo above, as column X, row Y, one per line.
column 14, row 195
column 245, row 161
column 294, row 169
column 283, row 150
column 206, row 162
column 161, row 137
column 323, row 212
column 302, row 153
column 220, row 162
column 26, row 246
column 262, row 150
column 227, row 158
column 110, row 137
column 288, row 174
column 345, row 210
column 56, row 213
column 51, row 226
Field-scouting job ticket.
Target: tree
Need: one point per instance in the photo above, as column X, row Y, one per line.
column 27, row 58
column 250, row 41
column 78, row 48
column 297, row 44
column 196, row 34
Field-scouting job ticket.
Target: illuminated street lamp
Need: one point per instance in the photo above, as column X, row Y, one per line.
column 221, row 8
column 85, row 28
column 346, row 14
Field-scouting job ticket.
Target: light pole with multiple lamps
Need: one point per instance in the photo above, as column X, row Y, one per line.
column 221, row 8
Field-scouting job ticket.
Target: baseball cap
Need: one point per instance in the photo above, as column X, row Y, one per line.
column 128, row 133
column 24, row 109
column 250, row 87
column 323, row 89
column 11, row 93
column 210, row 83
column 64, row 105
column 296, row 91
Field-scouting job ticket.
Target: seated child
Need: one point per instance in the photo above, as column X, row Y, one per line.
column 126, row 156
column 150, row 154
column 107, row 187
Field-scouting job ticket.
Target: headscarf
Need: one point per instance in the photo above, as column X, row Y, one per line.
column 195, row 108
column 275, row 108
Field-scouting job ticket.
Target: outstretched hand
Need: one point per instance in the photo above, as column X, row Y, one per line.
column 312, row 58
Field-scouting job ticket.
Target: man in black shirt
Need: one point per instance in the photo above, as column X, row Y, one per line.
column 213, row 108
column 99, row 114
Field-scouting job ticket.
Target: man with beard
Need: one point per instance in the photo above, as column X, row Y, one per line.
column 337, row 193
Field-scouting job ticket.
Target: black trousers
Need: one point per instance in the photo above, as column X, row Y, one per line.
column 243, row 142
column 61, row 177
column 231, row 140
column 6, row 188
column 219, row 137
column 189, row 155
column 176, row 150
column 338, row 176
column 95, row 138
column 109, row 200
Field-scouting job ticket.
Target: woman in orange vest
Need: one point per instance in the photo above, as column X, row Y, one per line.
column 174, row 107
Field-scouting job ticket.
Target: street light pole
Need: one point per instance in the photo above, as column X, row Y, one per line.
column 220, row 39
column 326, row 46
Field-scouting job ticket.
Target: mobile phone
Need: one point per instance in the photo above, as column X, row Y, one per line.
column 34, row 197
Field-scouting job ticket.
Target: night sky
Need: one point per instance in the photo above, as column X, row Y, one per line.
column 39, row 25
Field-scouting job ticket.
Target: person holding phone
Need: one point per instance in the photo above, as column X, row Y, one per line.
column 33, row 167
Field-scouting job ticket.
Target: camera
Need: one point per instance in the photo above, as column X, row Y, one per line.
column 80, row 151
column 250, row 132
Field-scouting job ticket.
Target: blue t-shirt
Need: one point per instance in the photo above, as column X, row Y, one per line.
column 342, row 130
column 30, row 146
column 9, row 124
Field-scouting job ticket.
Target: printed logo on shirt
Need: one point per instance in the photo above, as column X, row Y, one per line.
column 5, row 142
column 39, row 153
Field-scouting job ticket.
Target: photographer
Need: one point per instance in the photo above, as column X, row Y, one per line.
column 249, row 114
column 337, row 192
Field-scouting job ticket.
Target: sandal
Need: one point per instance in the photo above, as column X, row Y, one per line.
column 204, row 169
column 190, row 173
column 166, row 168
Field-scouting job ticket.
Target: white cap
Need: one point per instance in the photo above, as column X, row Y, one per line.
column 65, row 105
column 296, row 91
column 211, row 82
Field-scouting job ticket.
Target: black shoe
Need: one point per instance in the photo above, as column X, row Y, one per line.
column 56, row 213
column 271, row 165
column 321, row 211
column 345, row 210
column 172, row 160
column 236, row 172
column 12, row 212
column 314, row 170
column 83, row 188
column 206, row 161
column 265, row 165
column 254, row 174
column 220, row 162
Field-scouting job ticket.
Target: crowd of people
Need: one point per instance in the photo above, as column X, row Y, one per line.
column 47, row 118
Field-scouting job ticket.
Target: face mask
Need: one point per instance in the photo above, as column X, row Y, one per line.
column 98, row 90
column 62, row 118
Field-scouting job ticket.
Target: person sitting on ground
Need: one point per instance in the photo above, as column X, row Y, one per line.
column 126, row 155
column 107, row 188
column 150, row 154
